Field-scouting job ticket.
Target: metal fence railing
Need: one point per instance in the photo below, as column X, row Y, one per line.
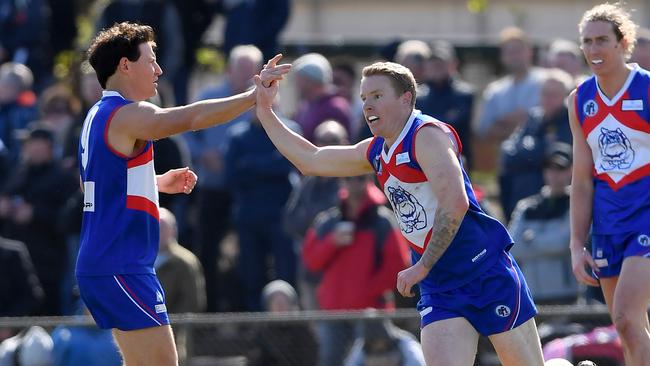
column 236, row 338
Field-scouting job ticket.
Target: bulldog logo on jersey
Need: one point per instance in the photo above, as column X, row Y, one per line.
column 590, row 108
column 409, row 212
column 644, row 240
column 615, row 149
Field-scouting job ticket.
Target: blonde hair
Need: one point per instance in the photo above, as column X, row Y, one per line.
column 618, row 17
column 401, row 78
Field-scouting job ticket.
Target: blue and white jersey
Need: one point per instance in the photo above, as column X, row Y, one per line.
column 120, row 229
column 480, row 240
column 618, row 133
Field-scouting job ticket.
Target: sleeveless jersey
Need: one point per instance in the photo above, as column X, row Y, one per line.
column 120, row 227
column 480, row 239
column 618, row 133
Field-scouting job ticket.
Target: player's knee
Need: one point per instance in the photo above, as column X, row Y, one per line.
column 626, row 325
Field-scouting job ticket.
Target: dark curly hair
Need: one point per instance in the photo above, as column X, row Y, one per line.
column 111, row 44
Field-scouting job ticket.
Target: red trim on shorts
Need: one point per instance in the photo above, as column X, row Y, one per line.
column 137, row 299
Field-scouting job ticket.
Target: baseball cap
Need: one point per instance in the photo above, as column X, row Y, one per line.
column 560, row 155
column 314, row 66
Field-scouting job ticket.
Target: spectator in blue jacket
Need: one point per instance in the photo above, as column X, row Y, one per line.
column 214, row 200
column 260, row 180
column 522, row 154
column 445, row 96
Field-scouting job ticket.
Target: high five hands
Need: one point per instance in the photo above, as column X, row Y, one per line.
column 272, row 72
column 267, row 81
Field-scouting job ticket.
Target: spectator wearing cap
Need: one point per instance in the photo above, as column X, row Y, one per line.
column 445, row 96
column 566, row 55
column 383, row 343
column 641, row 54
column 522, row 154
column 282, row 344
column 318, row 98
column 30, row 202
column 540, row 230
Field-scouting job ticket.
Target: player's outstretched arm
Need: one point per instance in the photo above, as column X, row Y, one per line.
column 582, row 195
column 146, row 121
column 438, row 159
column 308, row 158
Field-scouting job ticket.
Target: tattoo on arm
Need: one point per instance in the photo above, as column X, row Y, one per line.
column 444, row 230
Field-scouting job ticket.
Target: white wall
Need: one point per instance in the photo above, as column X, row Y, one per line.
column 376, row 21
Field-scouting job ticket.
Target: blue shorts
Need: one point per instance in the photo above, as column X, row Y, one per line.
column 497, row 301
column 125, row 302
column 609, row 251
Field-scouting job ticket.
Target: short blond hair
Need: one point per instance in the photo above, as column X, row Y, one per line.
column 401, row 78
column 618, row 17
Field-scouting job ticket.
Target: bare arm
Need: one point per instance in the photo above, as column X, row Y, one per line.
column 582, row 194
column 437, row 157
column 438, row 160
column 145, row 121
column 308, row 158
